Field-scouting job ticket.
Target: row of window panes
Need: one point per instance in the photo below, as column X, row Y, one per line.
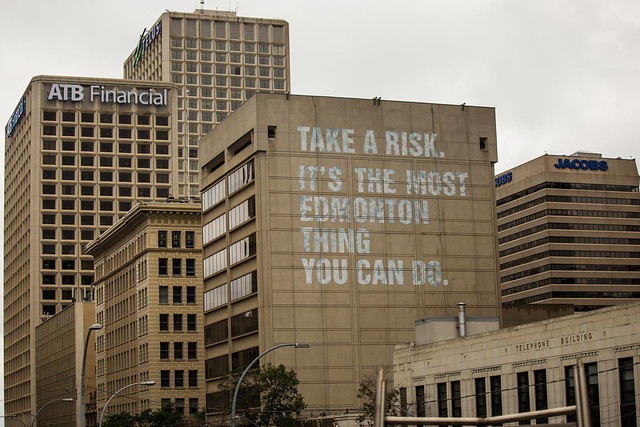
column 178, row 350
column 105, row 147
column 213, row 195
column 240, row 177
column 106, row 133
column 165, row 382
column 240, row 288
column 176, row 267
column 177, row 323
column 568, row 212
column 105, row 161
column 238, row 215
column 236, row 70
column 176, row 239
column 163, row 295
column 68, row 279
column 89, row 117
column 106, row 176
column 219, row 366
column 241, row 324
column 242, row 250
column 234, row 46
column 214, row 229
column 214, row 263
column 66, row 294
column 67, row 234
column 568, row 226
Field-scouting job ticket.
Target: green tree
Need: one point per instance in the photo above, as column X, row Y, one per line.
column 268, row 396
column 367, row 392
column 166, row 416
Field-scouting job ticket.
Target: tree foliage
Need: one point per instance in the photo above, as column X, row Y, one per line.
column 367, row 392
column 268, row 396
column 167, row 416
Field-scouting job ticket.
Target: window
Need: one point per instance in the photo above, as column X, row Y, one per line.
column 164, row 323
column 165, row 379
column 421, row 405
column 177, row 350
column 193, row 379
column 164, row 350
column 163, row 294
column 179, row 383
column 215, row 298
column 177, row 294
column 180, row 401
column 163, row 266
column 175, row 239
column 523, row 394
column 593, row 392
column 191, row 294
column 176, row 266
column 496, row 396
column 570, row 389
column 456, row 399
column 192, row 350
column 177, row 322
column 189, row 239
column 481, row 398
column 244, row 323
column 191, row 322
column 442, row 400
column 191, row 267
column 162, row 239
column 627, row 393
column 540, row 393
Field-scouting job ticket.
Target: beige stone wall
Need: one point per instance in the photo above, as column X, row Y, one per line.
column 602, row 337
column 354, row 314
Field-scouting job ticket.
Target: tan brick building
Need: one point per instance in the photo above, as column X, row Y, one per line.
column 218, row 60
column 149, row 300
column 569, row 231
column 339, row 222
column 79, row 153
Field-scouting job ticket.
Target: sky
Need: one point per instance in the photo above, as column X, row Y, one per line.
column 563, row 75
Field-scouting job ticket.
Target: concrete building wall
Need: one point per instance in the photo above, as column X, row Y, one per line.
column 329, row 271
column 60, row 343
column 604, row 340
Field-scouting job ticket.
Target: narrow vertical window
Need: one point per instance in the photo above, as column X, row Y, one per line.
column 627, row 393
column 481, row 398
column 540, row 393
column 524, row 404
column 442, row 400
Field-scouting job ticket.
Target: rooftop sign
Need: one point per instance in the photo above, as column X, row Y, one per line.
column 76, row 93
column 146, row 40
column 16, row 116
column 583, row 164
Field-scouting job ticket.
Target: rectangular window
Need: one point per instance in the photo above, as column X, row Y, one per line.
column 177, row 322
column 593, row 392
column 242, row 213
column 163, row 294
column 456, row 399
column 244, row 323
column 193, row 379
column 191, row 294
column 240, row 177
column 179, row 379
column 627, row 393
column 523, row 394
column 540, row 393
column 165, row 379
column 163, row 266
column 192, row 350
column 175, row 239
column 244, row 286
column 164, row 323
column 570, row 389
column 496, row 396
column 215, row 263
column 216, row 366
column 191, row 267
column 481, row 398
column 177, row 350
column 177, row 294
column 176, row 264
column 191, row 323
column 216, row 332
column 242, row 250
column 162, row 239
column 214, row 229
column 189, row 239
column 442, row 400
column 164, row 350
column 215, row 298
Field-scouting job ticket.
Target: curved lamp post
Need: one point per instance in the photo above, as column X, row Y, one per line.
column 235, row 393
column 94, row 327
column 114, row 395
column 64, row 399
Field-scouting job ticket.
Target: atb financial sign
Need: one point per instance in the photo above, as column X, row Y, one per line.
column 106, row 95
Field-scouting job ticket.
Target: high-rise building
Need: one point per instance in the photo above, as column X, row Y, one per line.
column 218, row 60
column 338, row 223
column 79, row 153
column 569, row 231
column 148, row 285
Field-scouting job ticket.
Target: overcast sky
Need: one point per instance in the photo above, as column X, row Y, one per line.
column 563, row 75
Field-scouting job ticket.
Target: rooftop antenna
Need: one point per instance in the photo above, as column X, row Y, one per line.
column 201, row 6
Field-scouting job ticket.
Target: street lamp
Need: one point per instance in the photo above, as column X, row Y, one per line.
column 94, row 327
column 235, row 393
column 64, row 399
column 114, row 395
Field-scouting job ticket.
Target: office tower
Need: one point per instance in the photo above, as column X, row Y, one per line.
column 149, row 300
column 218, row 60
column 79, row 153
column 569, row 231
column 338, row 223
